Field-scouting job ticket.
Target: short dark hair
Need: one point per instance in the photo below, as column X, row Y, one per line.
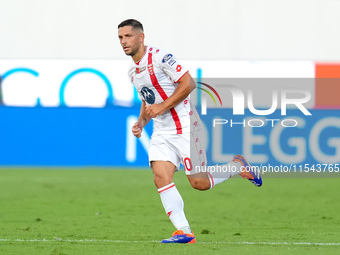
column 131, row 22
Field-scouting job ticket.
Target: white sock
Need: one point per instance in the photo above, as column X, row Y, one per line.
column 174, row 207
column 219, row 174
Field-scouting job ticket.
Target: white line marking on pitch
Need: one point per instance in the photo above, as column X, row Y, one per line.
column 154, row 241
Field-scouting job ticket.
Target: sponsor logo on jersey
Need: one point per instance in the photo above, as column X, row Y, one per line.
column 167, row 58
column 171, row 62
column 150, row 68
column 148, row 95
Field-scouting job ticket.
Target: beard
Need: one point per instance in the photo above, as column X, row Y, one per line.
column 132, row 53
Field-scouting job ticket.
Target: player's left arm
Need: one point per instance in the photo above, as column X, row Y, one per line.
column 185, row 85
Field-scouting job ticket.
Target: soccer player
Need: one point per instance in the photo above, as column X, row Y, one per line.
column 164, row 85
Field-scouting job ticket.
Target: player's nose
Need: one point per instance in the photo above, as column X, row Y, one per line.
column 123, row 41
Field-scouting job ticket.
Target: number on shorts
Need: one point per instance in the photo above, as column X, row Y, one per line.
column 187, row 164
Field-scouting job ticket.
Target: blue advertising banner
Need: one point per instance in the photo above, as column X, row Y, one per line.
column 102, row 137
column 71, row 137
column 290, row 140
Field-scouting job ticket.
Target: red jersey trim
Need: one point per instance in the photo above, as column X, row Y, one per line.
column 163, row 94
column 181, row 76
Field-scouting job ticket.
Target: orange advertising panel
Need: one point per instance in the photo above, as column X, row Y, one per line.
column 327, row 86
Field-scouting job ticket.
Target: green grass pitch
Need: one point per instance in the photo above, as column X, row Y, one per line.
column 117, row 211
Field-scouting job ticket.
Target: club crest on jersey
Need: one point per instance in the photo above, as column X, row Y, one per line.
column 148, row 95
column 167, row 58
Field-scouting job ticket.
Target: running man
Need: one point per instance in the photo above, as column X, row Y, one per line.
column 164, row 85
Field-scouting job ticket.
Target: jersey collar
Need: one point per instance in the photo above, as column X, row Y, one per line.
column 146, row 48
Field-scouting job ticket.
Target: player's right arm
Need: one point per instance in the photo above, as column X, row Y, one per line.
column 143, row 119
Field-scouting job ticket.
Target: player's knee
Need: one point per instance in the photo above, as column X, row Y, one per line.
column 161, row 181
column 200, row 183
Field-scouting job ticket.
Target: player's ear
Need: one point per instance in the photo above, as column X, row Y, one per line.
column 141, row 37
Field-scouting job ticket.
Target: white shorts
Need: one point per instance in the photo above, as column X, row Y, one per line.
column 177, row 149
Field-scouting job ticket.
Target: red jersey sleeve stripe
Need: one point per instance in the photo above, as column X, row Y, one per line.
column 163, row 94
column 181, row 76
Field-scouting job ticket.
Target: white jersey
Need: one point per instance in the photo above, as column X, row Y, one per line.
column 155, row 77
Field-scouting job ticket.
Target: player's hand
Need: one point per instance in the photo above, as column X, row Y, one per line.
column 137, row 129
column 155, row 110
